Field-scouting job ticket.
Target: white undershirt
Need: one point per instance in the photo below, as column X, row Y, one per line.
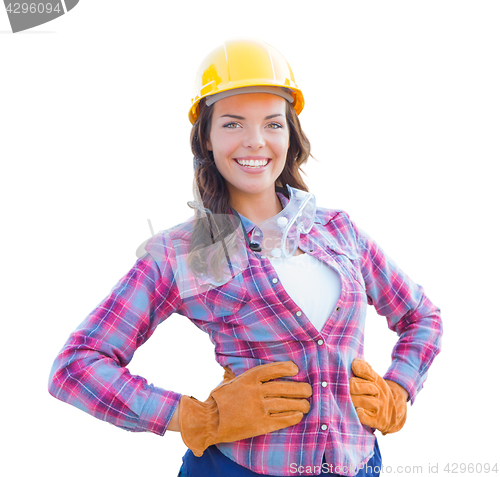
column 311, row 284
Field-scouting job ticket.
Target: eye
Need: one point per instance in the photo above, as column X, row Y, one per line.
column 231, row 125
column 275, row 126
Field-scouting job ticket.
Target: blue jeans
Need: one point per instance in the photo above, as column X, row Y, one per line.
column 215, row 464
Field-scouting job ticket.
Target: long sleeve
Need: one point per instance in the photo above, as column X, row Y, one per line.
column 90, row 371
column 409, row 312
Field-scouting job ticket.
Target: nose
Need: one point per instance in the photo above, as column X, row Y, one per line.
column 254, row 138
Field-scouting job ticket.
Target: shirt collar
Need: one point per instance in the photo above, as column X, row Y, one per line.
column 321, row 216
column 249, row 225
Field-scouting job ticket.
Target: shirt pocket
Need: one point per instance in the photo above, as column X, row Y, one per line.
column 349, row 259
column 228, row 298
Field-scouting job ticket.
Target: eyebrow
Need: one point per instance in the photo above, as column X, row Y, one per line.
column 241, row 117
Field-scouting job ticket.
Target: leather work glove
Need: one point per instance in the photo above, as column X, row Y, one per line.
column 379, row 403
column 245, row 406
column 228, row 374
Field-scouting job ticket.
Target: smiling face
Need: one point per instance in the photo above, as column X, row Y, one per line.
column 249, row 138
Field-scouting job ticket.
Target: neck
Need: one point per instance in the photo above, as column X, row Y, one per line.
column 257, row 207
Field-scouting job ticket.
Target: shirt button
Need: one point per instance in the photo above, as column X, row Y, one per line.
column 275, row 280
column 324, row 384
column 299, row 313
column 320, row 342
column 324, row 427
column 338, row 308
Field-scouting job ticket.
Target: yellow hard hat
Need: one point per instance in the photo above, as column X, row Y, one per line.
column 244, row 63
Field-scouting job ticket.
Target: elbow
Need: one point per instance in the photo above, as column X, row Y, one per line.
column 64, row 376
column 56, row 381
column 70, row 368
column 439, row 329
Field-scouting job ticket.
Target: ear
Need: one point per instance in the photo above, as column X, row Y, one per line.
column 209, row 146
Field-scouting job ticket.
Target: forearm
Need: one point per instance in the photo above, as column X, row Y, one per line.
column 174, row 422
column 419, row 342
column 94, row 384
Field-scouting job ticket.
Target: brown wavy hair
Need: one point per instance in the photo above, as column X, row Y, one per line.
column 209, row 187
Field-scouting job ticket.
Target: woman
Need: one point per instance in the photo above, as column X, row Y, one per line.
column 280, row 285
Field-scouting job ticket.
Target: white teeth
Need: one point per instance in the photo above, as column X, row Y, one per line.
column 252, row 163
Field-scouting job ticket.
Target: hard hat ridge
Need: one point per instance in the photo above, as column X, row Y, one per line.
column 283, row 92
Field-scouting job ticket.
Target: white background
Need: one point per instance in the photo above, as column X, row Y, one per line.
column 402, row 109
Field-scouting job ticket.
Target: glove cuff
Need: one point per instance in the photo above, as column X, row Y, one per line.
column 399, row 395
column 199, row 422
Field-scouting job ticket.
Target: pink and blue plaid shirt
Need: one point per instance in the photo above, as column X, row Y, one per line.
column 251, row 320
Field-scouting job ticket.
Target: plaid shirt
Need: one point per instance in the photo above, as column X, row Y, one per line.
column 251, row 320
